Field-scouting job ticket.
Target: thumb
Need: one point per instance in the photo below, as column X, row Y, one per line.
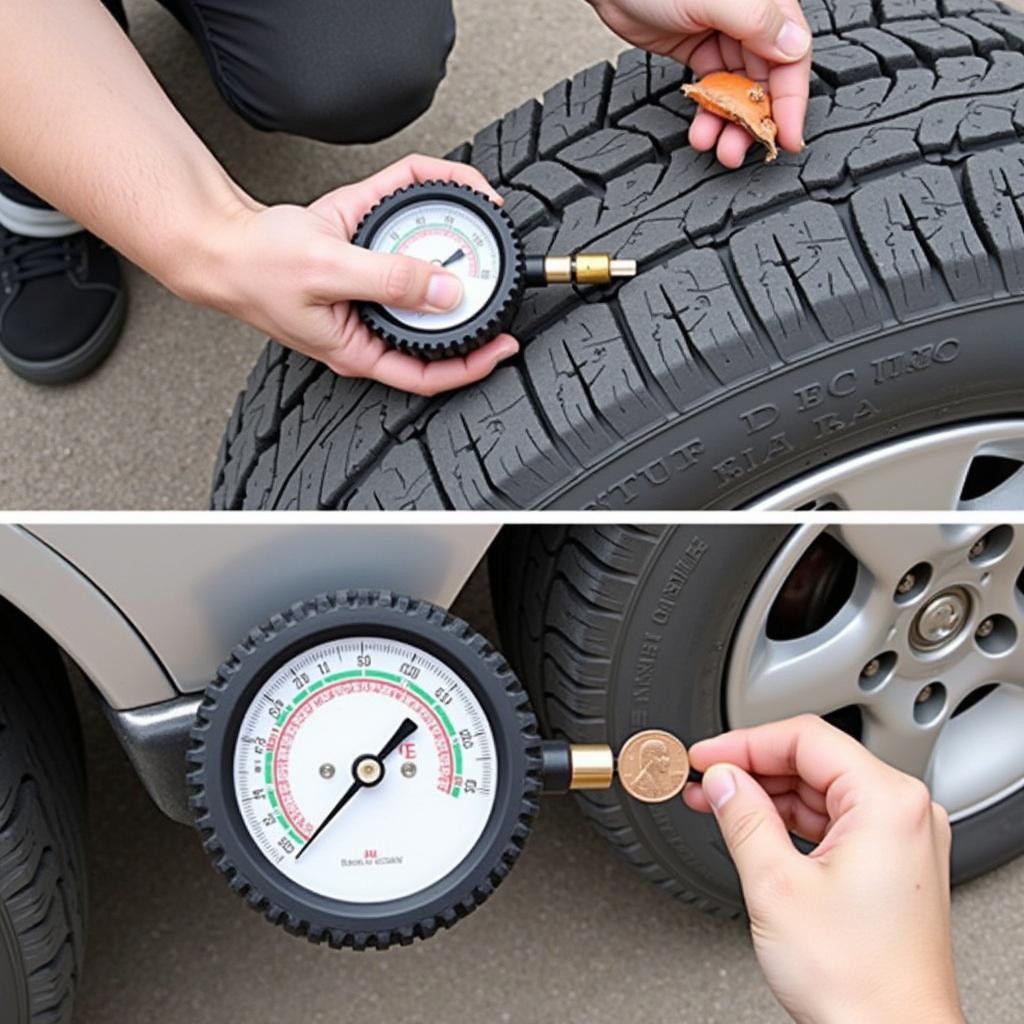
column 755, row 834
column 761, row 26
column 401, row 281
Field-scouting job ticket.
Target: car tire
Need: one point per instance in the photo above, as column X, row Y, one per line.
column 42, row 829
column 785, row 316
column 613, row 629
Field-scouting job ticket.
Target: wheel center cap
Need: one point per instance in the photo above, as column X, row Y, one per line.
column 941, row 620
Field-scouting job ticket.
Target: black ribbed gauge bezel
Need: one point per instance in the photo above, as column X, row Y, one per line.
column 494, row 318
column 298, row 909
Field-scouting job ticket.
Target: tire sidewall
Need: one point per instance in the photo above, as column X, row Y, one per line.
column 689, row 599
column 798, row 418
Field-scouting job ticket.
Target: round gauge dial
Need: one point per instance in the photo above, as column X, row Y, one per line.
column 450, row 226
column 449, row 235
column 300, row 747
column 365, row 769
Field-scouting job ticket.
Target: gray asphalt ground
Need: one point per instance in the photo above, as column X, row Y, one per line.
column 573, row 935
column 143, row 432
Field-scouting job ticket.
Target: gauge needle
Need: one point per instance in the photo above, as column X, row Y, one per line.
column 454, row 258
column 407, row 728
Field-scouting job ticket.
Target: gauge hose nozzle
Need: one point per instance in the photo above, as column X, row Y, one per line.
column 568, row 766
column 581, row 268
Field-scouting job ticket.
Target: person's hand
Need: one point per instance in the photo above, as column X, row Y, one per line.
column 291, row 272
column 859, row 929
column 766, row 40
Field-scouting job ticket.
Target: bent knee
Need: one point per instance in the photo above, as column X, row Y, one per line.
column 348, row 111
column 382, row 79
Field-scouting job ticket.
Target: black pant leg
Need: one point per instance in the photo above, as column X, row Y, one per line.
column 340, row 71
column 8, row 186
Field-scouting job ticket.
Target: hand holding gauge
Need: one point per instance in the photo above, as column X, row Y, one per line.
column 282, row 756
column 462, row 230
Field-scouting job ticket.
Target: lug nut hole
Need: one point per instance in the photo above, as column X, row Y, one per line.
column 913, row 583
column 876, row 672
column 929, row 703
column 991, row 547
column 996, row 634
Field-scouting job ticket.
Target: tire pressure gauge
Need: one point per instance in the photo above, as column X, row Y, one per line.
column 463, row 231
column 366, row 769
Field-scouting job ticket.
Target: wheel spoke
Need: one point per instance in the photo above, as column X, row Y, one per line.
column 817, row 673
column 979, row 755
column 926, row 477
column 887, row 552
column 892, row 733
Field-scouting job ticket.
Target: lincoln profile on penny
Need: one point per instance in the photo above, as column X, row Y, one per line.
column 654, row 762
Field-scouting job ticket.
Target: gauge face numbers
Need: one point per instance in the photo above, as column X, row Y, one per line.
column 296, row 753
column 447, row 234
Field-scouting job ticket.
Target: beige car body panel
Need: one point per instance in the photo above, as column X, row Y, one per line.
column 150, row 610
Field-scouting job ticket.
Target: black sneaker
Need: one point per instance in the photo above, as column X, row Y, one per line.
column 62, row 305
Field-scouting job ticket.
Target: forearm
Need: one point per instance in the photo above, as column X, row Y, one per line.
column 87, row 127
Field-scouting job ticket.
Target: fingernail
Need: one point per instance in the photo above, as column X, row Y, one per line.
column 444, row 291
column 505, row 352
column 793, row 40
column 719, row 786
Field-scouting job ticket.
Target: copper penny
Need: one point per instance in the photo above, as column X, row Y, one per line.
column 653, row 766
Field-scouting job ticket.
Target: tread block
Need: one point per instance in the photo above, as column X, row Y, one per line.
column 300, row 372
column 880, row 146
column 893, row 10
column 606, row 152
column 847, row 14
column 1009, row 26
column 917, row 232
column 892, row 54
column 954, row 7
column 840, row 61
column 519, row 138
column 525, row 209
column 689, row 327
column 994, row 183
column 819, row 16
column 553, row 182
column 487, row 152
column 595, row 395
column 491, row 449
column 799, row 266
column 666, row 129
column 984, row 37
column 402, row 482
column 988, row 119
column 369, row 424
column 573, row 108
column 931, row 39
column 640, row 76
